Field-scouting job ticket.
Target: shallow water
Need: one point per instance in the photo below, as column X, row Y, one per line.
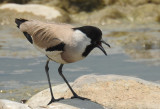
column 29, row 74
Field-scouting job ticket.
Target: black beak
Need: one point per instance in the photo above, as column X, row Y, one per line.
column 105, row 43
column 100, row 46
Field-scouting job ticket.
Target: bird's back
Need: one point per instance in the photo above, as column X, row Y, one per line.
column 45, row 35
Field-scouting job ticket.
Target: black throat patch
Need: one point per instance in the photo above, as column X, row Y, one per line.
column 88, row 49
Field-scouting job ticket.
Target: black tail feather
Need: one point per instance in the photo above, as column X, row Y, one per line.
column 20, row 21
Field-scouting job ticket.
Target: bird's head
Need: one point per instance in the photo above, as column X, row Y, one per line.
column 95, row 36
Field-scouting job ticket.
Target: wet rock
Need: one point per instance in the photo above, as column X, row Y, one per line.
column 111, row 91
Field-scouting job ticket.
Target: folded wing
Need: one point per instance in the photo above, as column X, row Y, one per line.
column 48, row 36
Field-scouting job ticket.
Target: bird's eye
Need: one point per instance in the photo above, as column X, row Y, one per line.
column 98, row 43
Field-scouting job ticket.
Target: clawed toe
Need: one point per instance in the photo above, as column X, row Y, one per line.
column 79, row 97
column 55, row 100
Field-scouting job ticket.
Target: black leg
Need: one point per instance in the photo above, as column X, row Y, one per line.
column 74, row 94
column 52, row 97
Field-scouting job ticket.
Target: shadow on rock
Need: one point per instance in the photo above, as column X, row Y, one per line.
column 82, row 104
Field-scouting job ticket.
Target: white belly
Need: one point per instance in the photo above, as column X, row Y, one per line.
column 53, row 55
column 56, row 56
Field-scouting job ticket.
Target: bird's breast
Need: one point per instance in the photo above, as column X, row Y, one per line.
column 56, row 56
column 71, row 57
column 73, row 51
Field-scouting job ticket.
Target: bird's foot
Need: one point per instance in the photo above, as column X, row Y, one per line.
column 55, row 100
column 79, row 97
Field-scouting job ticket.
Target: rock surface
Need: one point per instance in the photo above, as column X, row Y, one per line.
column 6, row 104
column 111, row 91
column 44, row 97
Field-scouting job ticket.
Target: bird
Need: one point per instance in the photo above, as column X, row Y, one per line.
column 62, row 43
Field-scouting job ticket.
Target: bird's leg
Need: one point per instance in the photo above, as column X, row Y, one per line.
column 52, row 97
column 74, row 94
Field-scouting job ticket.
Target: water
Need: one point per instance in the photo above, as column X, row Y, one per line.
column 18, row 73
column 31, row 71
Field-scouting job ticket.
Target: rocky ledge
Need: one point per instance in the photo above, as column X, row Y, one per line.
column 110, row 91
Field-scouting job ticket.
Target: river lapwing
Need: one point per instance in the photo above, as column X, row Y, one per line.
column 61, row 43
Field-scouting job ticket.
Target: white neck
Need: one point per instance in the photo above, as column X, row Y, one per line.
column 79, row 43
column 80, row 40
